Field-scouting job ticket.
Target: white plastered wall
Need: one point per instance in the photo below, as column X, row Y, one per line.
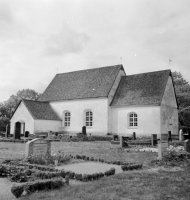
column 169, row 111
column 148, row 120
column 110, row 97
column 46, row 125
column 22, row 115
column 77, row 108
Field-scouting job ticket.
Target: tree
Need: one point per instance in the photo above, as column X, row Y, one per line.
column 8, row 107
column 182, row 89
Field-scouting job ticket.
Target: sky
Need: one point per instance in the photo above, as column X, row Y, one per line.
column 40, row 38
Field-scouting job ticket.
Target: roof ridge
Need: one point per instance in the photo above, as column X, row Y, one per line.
column 35, row 101
column 120, row 65
column 149, row 72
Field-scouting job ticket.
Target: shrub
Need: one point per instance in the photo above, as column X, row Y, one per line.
column 131, row 167
column 110, row 172
column 17, row 190
column 42, row 185
column 3, row 171
column 102, row 138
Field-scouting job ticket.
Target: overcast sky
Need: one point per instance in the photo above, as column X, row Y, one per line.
column 40, row 38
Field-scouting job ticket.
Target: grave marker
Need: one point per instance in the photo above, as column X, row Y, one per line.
column 162, row 149
column 123, row 141
column 84, row 130
column 7, row 130
column 187, row 145
column 153, row 139
column 181, row 135
column 134, row 136
column 37, row 146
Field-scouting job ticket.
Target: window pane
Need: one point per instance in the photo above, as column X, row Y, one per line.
column 135, row 115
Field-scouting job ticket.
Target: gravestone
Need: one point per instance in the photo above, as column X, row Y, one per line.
column 84, row 130
column 123, row 141
column 187, row 145
column 37, row 146
column 169, row 136
column 115, row 137
column 134, row 136
column 153, row 139
column 50, row 135
column 181, row 135
column 26, row 134
column 7, row 130
column 162, row 149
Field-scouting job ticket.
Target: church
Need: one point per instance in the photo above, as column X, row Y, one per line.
column 105, row 100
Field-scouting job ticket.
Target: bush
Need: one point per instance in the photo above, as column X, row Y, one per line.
column 3, row 171
column 110, row 172
column 17, row 190
column 130, row 167
column 37, row 186
column 102, row 138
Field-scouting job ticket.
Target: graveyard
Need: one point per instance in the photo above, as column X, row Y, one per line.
column 120, row 168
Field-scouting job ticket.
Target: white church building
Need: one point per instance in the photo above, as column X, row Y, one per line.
column 105, row 100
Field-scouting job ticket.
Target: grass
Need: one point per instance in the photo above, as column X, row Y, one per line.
column 144, row 185
column 102, row 150
column 148, row 184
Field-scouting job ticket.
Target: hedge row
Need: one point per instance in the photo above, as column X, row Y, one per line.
column 83, row 157
column 102, row 138
column 37, row 186
column 130, row 167
column 72, row 175
column 96, row 176
column 39, row 167
column 12, row 140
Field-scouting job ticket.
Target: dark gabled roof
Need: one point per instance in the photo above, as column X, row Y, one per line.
column 90, row 83
column 141, row 89
column 41, row 110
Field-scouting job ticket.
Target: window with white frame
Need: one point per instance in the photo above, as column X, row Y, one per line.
column 133, row 120
column 88, row 118
column 67, row 119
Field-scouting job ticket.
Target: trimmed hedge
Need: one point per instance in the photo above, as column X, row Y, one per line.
column 102, row 138
column 131, row 167
column 83, row 157
column 37, row 186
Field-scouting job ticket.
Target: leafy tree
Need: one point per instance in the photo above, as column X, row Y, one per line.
column 182, row 89
column 8, row 107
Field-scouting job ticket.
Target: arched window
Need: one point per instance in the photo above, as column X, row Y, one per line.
column 88, row 118
column 67, row 119
column 133, row 120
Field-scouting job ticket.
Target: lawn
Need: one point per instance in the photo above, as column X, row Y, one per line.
column 152, row 182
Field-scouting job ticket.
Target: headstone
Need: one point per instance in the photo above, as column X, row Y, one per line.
column 153, row 139
column 84, row 130
column 187, row 145
column 123, row 142
column 169, row 136
column 7, row 130
column 26, row 134
column 50, row 135
column 115, row 137
column 134, row 136
column 37, row 146
column 181, row 135
column 162, row 149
